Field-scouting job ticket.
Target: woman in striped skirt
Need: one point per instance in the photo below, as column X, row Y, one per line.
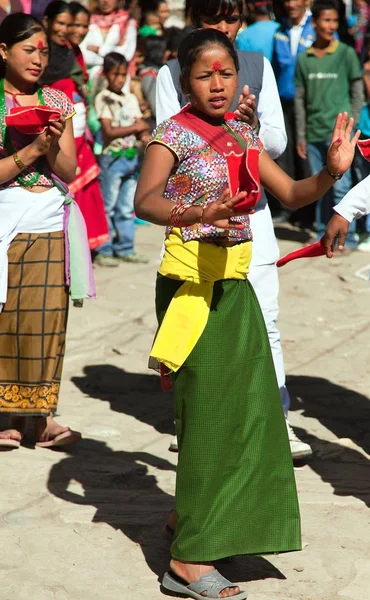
column 33, row 292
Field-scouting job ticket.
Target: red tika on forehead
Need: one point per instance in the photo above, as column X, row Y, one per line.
column 41, row 45
column 217, row 66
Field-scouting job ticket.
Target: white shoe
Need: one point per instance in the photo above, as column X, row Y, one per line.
column 298, row 448
column 365, row 245
column 173, row 445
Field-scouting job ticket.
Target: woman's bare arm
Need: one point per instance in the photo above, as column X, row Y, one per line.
column 9, row 169
column 150, row 204
column 295, row 194
column 292, row 194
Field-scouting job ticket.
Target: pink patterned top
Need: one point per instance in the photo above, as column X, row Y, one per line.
column 200, row 176
column 54, row 99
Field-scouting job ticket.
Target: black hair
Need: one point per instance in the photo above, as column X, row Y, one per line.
column 174, row 37
column 76, row 8
column 196, row 42
column 55, row 8
column 154, row 5
column 211, row 8
column 16, row 28
column 320, row 5
column 113, row 59
column 261, row 7
column 155, row 48
column 140, row 44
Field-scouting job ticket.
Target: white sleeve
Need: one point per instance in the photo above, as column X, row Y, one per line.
column 167, row 102
column 129, row 46
column 92, row 59
column 110, row 43
column 356, row 203
column 270, row 114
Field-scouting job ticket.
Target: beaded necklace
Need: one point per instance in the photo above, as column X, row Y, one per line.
column 7, row 143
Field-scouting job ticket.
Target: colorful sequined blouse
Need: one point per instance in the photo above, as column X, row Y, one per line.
column 54, row 99
column 200, row 176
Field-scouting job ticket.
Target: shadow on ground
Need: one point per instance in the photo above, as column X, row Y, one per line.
column 127, row 498
column 346, row 414
column 125, row 494
column 133, row 394
column 291, row 235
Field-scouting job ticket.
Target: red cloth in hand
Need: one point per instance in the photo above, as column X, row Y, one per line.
column 316, row 249
column 364, row 148
column 31, row 119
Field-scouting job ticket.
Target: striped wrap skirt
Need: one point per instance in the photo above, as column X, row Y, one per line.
column 33, row 325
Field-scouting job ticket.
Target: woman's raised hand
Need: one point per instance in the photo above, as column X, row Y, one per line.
column 50, row 136
column 220, row 212
column 342, row 148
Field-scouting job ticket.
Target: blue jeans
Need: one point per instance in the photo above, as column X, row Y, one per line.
column 324, row 206
column 118, row 180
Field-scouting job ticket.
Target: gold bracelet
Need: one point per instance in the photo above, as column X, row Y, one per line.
column 201, row 215
column 20, row 164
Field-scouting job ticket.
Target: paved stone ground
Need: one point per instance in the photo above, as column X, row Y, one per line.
column 89, row 525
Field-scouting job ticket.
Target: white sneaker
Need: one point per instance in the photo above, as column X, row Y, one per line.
column 365, row 245
column 173, row 445
column 298, row 448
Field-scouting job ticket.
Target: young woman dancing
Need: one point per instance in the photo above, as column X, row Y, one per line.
column 235, row 490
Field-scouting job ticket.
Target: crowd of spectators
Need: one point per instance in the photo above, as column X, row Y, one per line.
column 319, row 53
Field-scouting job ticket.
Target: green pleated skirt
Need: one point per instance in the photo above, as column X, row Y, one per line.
column 235, row 487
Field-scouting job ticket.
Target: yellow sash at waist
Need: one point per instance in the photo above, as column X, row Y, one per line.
column 199, row 265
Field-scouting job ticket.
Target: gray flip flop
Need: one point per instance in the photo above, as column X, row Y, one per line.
column 212, row 584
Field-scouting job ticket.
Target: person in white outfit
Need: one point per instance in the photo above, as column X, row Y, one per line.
column 259, row 104
column 111, row 30
column 354, row 205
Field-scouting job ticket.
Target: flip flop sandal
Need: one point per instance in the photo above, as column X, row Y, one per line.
column 63, row 439
column 211, row 584
column 9, row 444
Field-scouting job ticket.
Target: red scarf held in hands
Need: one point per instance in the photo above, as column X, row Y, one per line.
column 242, row 162
column 105, row 22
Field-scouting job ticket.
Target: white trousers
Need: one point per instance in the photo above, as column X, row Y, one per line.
column 265, row 281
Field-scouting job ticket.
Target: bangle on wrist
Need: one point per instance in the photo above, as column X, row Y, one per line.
column 20, row 164
column 335, row 176
column 201, row 215
column 177, row 212
column 257, row 127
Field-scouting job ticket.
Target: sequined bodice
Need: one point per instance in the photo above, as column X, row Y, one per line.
column 200, row 176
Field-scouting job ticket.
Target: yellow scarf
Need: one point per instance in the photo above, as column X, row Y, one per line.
column 199, row 265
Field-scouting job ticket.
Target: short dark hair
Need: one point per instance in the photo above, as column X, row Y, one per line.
column 76, row 8
column 16, row 28
column 140, row 44
column 155, row 4
column 320, row 5
column 155, row 48
column 174, row 37
column 210, row 8
column 55, row 8
column 193, row 45
column 261, row 7
column 113, row 59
